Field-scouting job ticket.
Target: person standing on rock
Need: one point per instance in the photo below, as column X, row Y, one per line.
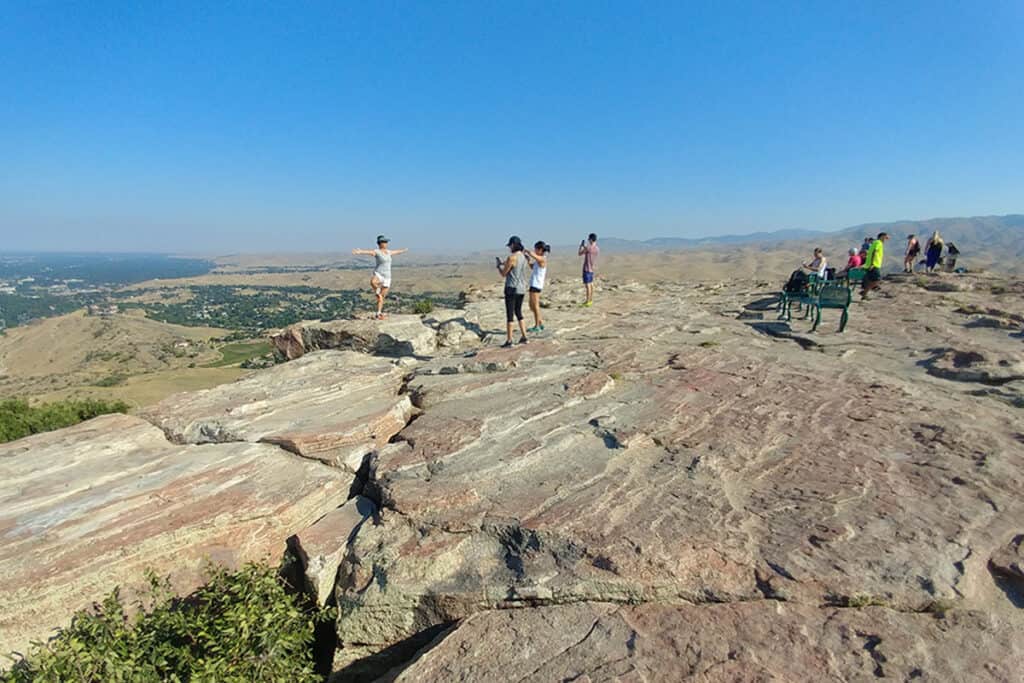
column 380, row 281
column 538, row 260
column 913, row 249
column 873, row 263
column 589, row 251
column 934, row 252
column 515, row 274
column 865, row 245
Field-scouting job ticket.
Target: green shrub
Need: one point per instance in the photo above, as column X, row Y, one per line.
column 110, row 380
column 423, row 307
column 240, row 626
column 19, row 419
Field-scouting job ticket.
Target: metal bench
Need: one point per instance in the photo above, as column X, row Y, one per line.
column 804, row 299
column 833, row 295
column 855, row 276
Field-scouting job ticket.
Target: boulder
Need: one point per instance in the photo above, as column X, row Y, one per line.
column 333, row 406
column 398, row 335
column 320, row 547
column 1008, row 563
column 89, row 508
column 455, row 328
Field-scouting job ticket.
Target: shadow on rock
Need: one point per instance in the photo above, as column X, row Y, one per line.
column 782, row 330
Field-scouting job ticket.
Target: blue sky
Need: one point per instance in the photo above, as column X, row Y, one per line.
column 245, row 126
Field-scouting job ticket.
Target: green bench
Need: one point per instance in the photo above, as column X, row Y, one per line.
column 855, row 276
column 833, row 295
column 804, row 299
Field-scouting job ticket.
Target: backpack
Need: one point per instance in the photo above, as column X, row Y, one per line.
column 797, row 282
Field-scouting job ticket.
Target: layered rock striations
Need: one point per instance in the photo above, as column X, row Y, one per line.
column 671, row 485
column 89, row 508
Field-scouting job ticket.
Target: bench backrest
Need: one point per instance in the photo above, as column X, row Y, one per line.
column 834, row 296
column 855, row 274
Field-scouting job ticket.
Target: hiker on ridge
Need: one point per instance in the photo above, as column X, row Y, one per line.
column 380, row 281
column 538, row 260
column 913, row 249
column 514, row 272
column 589, row 251
column 934, row 252
column 876, row 254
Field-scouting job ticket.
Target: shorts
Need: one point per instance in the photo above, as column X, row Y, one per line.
column 385, row 282
column 588, row 277
column 535, row 290
column 872, row 275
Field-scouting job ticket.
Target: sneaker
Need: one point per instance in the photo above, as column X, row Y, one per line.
column 535, row 328
column 523, row 340
column 507, row 345
column 541, row 328
column 589, row 304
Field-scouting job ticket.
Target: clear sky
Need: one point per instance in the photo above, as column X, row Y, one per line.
column 300, row 126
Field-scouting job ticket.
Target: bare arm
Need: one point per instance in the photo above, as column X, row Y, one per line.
column 395, row 252
column 506, row 267
column 583, row 250
column 362, row 252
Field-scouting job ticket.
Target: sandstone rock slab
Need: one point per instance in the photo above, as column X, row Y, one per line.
column 760, row 641
column 617, row 460
column 320, row 547
column 398, row 335
column 88, row 508
column 333, row 406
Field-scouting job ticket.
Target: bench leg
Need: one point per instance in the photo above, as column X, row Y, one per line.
column 817, row 319
column 842, row 320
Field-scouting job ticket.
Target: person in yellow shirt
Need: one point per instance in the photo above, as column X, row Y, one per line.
column 873, row 263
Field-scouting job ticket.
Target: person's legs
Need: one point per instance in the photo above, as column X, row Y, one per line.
column 519, row 317
column 871, row 278
column 535, row 308
column 510, row 308
column 588, row 284
column 382, row 294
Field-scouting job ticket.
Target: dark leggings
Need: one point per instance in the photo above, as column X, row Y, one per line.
column 513, row 305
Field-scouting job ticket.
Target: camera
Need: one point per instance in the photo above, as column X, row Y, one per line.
column 497, row 260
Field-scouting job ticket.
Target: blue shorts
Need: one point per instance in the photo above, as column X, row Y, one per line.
column 588, row 277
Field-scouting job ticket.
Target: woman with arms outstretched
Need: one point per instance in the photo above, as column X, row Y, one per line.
column 380, row 281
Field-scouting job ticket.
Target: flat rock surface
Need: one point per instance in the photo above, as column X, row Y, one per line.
column 90, row 507
column 334, row 406
column 752, row 641
column 661, row 448
column 672, row 484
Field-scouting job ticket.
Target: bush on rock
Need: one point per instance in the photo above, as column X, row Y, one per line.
column 239, row 626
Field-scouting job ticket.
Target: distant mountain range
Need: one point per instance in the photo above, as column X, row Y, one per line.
column 1001, row 236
